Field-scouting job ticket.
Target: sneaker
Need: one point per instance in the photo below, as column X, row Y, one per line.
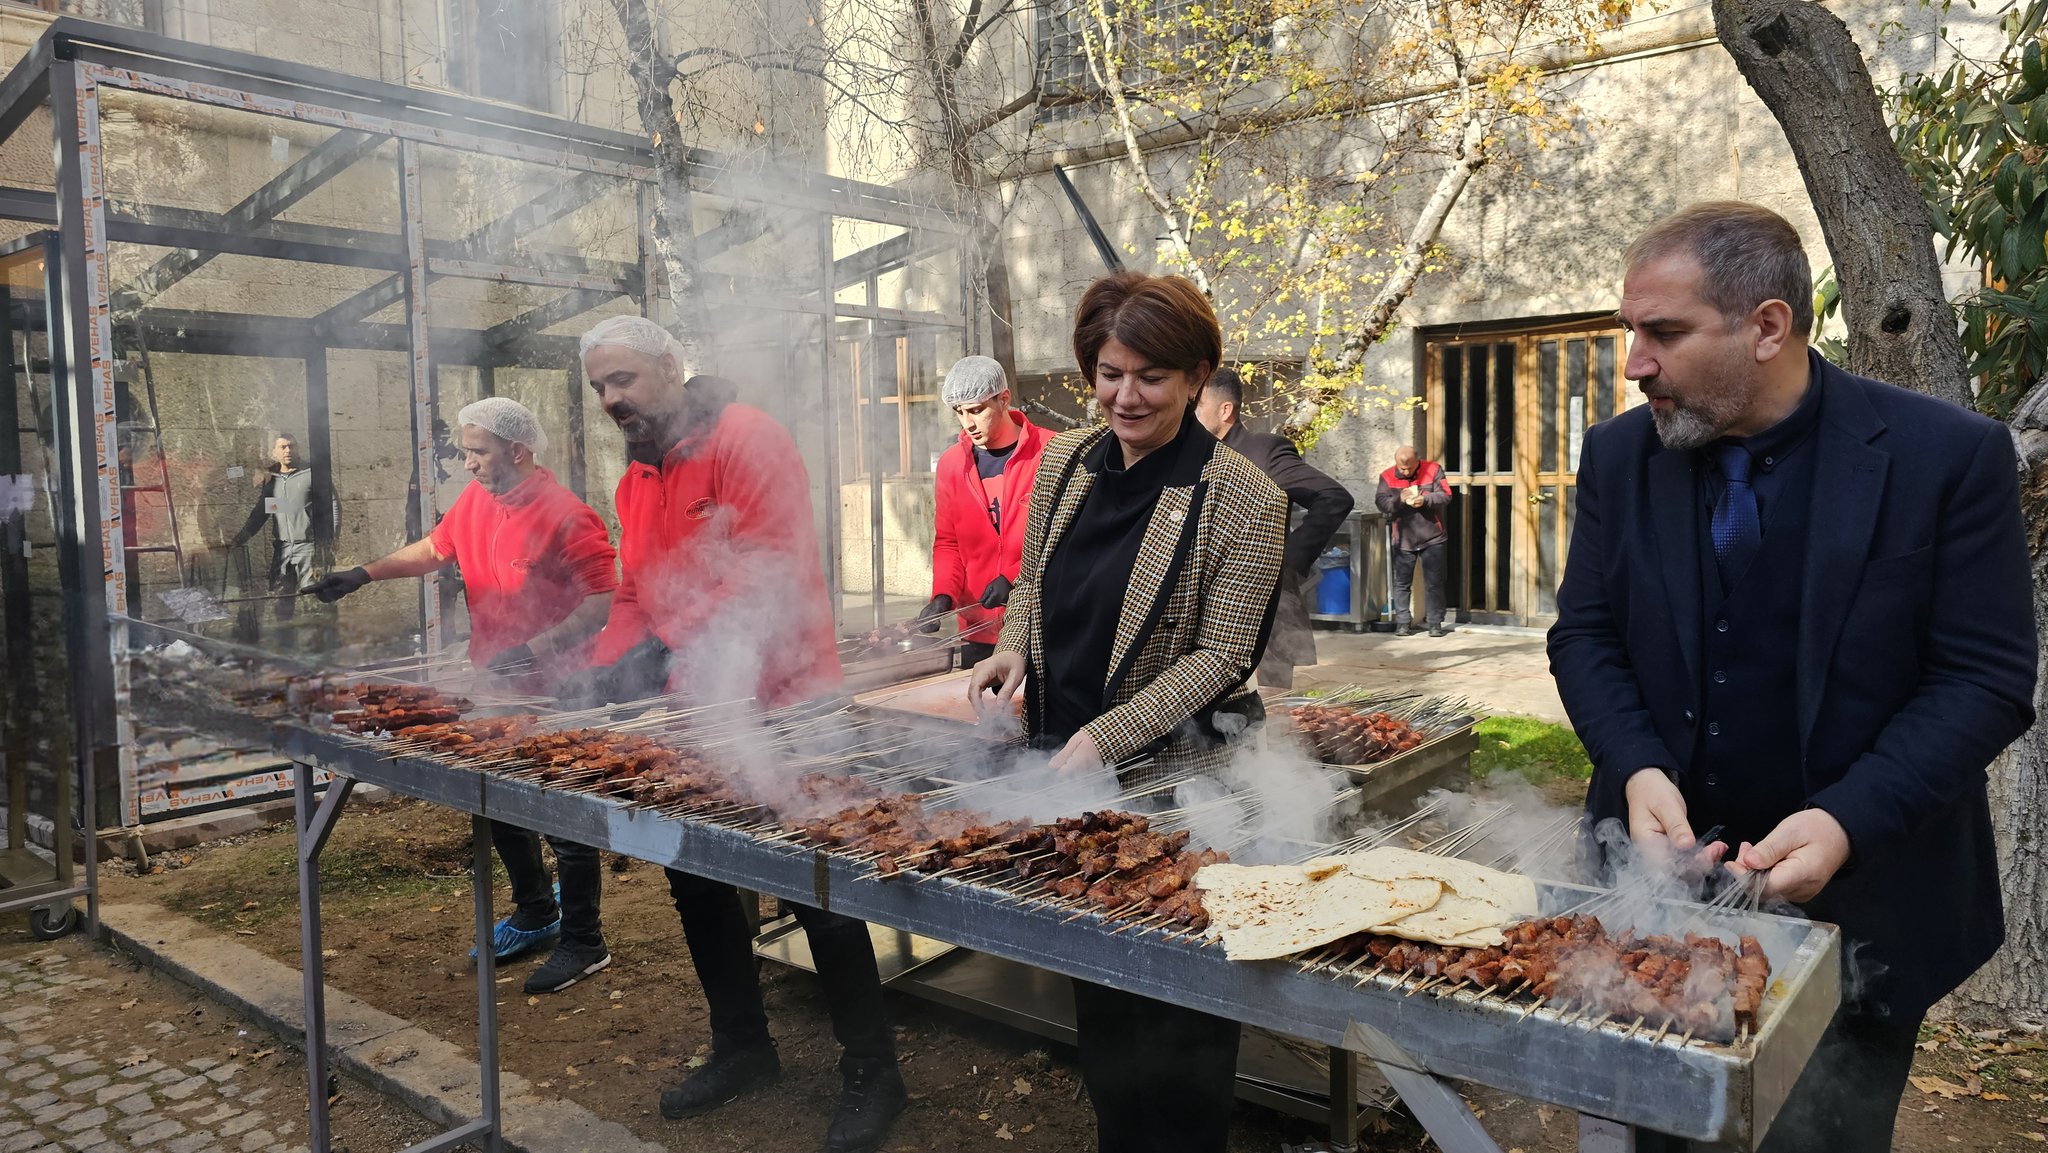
column 1439, row 631
column 722, row 1080
column 510, row 943
column 568, row 964
column 1404, row 630
column 870, row 1098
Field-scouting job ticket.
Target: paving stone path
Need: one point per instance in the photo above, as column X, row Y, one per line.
column 96, row 1055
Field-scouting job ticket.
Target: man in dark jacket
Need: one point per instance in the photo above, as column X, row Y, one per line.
column 1412, row 496
column 1324, row 504
column 1798, row 608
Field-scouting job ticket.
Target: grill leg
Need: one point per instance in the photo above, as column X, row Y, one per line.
column 1599, row 1135
column 315, row 823
column 1444, row 1114
column 1343, row 1099
column 486, row 984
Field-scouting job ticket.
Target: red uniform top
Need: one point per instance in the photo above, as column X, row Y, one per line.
column 719, row 560
column 528, row 559
column 969, row 549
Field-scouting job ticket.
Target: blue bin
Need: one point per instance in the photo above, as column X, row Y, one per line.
column 1333, row 591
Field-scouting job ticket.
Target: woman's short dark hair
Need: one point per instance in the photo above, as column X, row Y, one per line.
column 1164, row 319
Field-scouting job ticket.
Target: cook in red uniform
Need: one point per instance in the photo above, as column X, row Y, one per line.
column 984, row 490
column 723, row 598
column 537, row 570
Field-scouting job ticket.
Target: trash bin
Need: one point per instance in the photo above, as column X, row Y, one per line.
column 1333, row 585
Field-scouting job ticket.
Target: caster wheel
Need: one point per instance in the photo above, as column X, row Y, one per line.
column 49, row 922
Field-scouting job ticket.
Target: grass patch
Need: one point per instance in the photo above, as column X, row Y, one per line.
column 1537, row 750
column 250, row 884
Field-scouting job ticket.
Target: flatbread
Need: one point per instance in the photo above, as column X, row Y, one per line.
column 1266, row 911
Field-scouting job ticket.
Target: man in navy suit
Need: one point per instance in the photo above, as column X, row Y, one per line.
column 1798, row 609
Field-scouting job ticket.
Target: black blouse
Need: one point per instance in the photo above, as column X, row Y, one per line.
column 1081, row 591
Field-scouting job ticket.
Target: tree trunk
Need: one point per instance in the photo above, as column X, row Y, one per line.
column 674, row 229
column 1800, row 58
column 1802, row 62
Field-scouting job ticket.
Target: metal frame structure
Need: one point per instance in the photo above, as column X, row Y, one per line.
column 72, row 67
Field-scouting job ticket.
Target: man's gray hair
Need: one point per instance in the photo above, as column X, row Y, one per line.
column 971, row 380
column 1747, row 255
column 637, row 333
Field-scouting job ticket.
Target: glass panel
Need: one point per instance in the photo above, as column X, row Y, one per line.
column 1452, row 427
column 1575, row 401
column 1604, row 385
column 1476, row 409
column 1504, row 548
column 1548, row 570
column 1476, row 560
column 1547, row 404
column 1504, row 408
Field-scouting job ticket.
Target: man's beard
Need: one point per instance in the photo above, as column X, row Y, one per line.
column 1695, row 424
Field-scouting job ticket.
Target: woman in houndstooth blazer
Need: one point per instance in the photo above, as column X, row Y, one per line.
column 1151, row 568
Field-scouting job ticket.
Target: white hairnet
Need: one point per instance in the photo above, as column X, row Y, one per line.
column 637, row 333
column 507, row 420
column 972, row 379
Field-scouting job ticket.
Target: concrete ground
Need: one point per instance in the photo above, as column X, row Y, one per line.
column 1500, row 670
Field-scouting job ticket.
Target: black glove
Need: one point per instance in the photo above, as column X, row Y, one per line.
column 336, row 585
column 997, row 594
column 927, row 618
column 641, row 672
column 585, row 689
column 513, row 661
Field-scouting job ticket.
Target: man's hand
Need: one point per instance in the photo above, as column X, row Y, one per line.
column 997, row 594
column 1001, row 674
column 1079, row 755
column 927, row 618
column 1802, row 855
column 1656, row 820
column 585, row 689
column 512, row 662
column 1412, row 496
column 336, row 585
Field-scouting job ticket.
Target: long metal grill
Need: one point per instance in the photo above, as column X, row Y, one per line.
column 1572, row 1055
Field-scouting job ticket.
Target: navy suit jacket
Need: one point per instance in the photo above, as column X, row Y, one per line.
column 1914, row 660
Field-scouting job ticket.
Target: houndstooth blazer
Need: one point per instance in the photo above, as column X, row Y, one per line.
column 1196, row 610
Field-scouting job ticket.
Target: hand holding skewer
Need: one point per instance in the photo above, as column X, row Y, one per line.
column 1001, row 674
column 1801, row 855
column 1657, row 821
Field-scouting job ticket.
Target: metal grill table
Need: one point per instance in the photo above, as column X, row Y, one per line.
column 1722, row 1093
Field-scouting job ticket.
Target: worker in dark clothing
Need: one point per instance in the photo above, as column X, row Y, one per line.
column 1412, row 496
column 302, row 515
column 722, row 598
column 1324, row 503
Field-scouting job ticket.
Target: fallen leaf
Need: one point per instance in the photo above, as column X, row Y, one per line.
column 245, row 932
column 1003, row 1133
column 1994, row 1097
column 1027, row 1128
column 209, row 905
column 625, row 1060
column 1929, row 1046
column 533, row 1000
column 983, row 1116
column 130, row 1004
column 694, row 1063
column 1974, row 1085
column 252, row 904
column 330, row 954
column 2023, row 1074
column 2034, row 1137
column 133, row 1059
column 1021, row 1087
column 1980, row 1066
column 1935, row 1086
column 435, row 908
column 571, row 1070
column 260, row 1054
column 544, row 1084
column 617, row 994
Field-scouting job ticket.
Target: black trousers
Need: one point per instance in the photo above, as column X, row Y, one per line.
column 532, row 892
column 1432, row 584
column 1163, row 1077
column 1846, row 1099
column 722, row 948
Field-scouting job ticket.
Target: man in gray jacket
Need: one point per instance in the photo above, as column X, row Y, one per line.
column 302, row 515
column 1412, row 496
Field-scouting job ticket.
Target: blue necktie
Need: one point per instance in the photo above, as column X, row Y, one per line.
column 1735, row 527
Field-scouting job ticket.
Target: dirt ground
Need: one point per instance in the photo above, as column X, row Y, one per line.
column 397, row 922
